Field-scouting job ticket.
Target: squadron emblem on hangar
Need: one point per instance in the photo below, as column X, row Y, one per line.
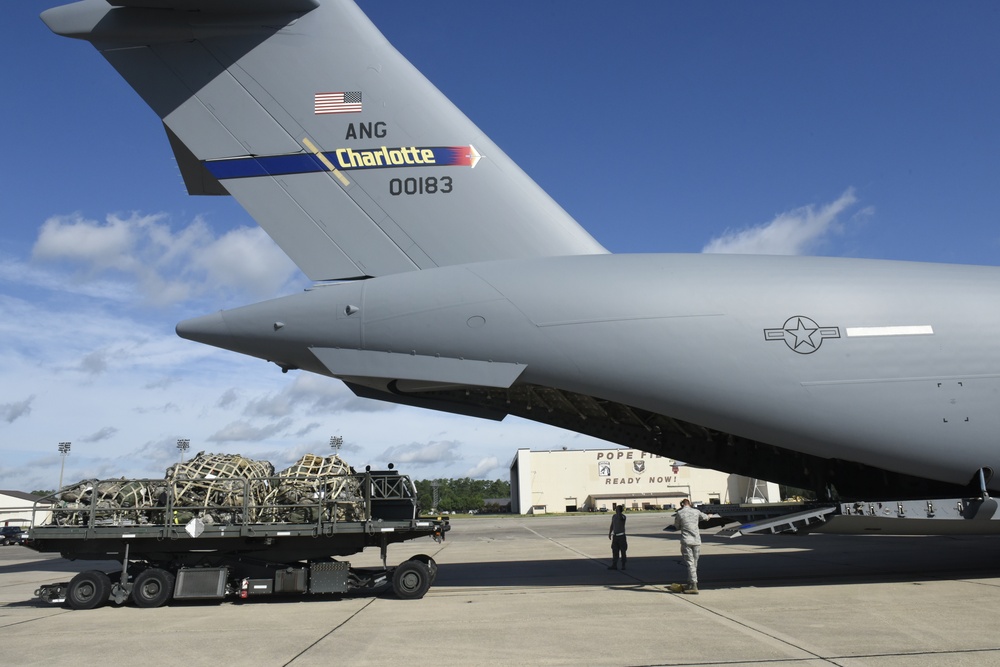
column 802, row 334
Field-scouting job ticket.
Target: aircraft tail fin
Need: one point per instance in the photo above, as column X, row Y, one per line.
column 339, row 148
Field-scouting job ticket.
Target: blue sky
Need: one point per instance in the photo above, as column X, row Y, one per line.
column 850, row 129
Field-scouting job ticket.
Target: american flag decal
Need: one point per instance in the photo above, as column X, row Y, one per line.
column 337, row 102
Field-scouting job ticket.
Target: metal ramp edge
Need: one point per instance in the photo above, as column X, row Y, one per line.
column 794, row 522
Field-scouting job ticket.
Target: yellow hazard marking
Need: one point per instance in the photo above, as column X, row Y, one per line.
column 322, row 158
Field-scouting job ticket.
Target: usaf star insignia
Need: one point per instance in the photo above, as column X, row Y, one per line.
column 801, row 334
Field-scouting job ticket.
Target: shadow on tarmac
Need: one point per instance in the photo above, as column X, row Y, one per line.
column 765, row 561
column 55, row 564
column 761, row 562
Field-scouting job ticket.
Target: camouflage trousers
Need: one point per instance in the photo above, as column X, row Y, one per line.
column 690, row 553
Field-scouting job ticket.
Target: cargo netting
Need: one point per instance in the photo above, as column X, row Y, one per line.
column 220, row 488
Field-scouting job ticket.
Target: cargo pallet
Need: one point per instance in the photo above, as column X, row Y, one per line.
column 171, row 550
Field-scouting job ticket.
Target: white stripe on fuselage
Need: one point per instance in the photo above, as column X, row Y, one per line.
column 917, row 330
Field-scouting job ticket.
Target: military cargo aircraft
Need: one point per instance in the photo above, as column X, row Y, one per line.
column 445, row 278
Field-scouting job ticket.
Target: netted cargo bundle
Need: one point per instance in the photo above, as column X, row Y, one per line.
column 316, row 482
column 117, row 501
column 228, row 482
column 312, row 465
column 221, row 489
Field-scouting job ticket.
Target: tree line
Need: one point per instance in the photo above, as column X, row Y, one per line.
column 463, row 495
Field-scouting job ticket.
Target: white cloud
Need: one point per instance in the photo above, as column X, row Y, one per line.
column 245, row 259
column 16, row 272
column 96, row 246
column 794, row 232
column 241, row 431
column 103, row 434
column 483, row 468
column 9, row 412
column 423, row 454
column 313, row 393
column 228, row 398
column 164, row 409
column 161, row 383
column 306, row 430
column 50, row 342
column 95, row 363
column 166, row 266
column 273, row 405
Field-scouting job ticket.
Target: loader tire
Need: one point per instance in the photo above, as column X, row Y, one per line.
column 432, row 566
column 153, row 588
column 88, row 590
column 411, row 580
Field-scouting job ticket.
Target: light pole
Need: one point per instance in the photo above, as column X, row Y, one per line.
column 336, row 442
column 435, row 485
column 183, row 444
column 63, row 453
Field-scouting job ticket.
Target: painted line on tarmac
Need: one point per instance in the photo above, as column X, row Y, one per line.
column 759, row 633
column 592, row 559
column 32, row 620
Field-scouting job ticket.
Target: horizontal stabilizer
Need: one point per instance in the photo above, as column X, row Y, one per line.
column 417, row 367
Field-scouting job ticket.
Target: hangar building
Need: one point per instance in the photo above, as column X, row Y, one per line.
column 16, row 508
column 598, row 479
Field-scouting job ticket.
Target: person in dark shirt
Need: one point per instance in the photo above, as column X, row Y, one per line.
column 619, row 545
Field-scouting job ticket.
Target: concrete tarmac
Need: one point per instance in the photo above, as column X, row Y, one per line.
column 537, row 591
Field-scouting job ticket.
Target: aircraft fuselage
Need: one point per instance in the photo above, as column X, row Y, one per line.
column 894, row 365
